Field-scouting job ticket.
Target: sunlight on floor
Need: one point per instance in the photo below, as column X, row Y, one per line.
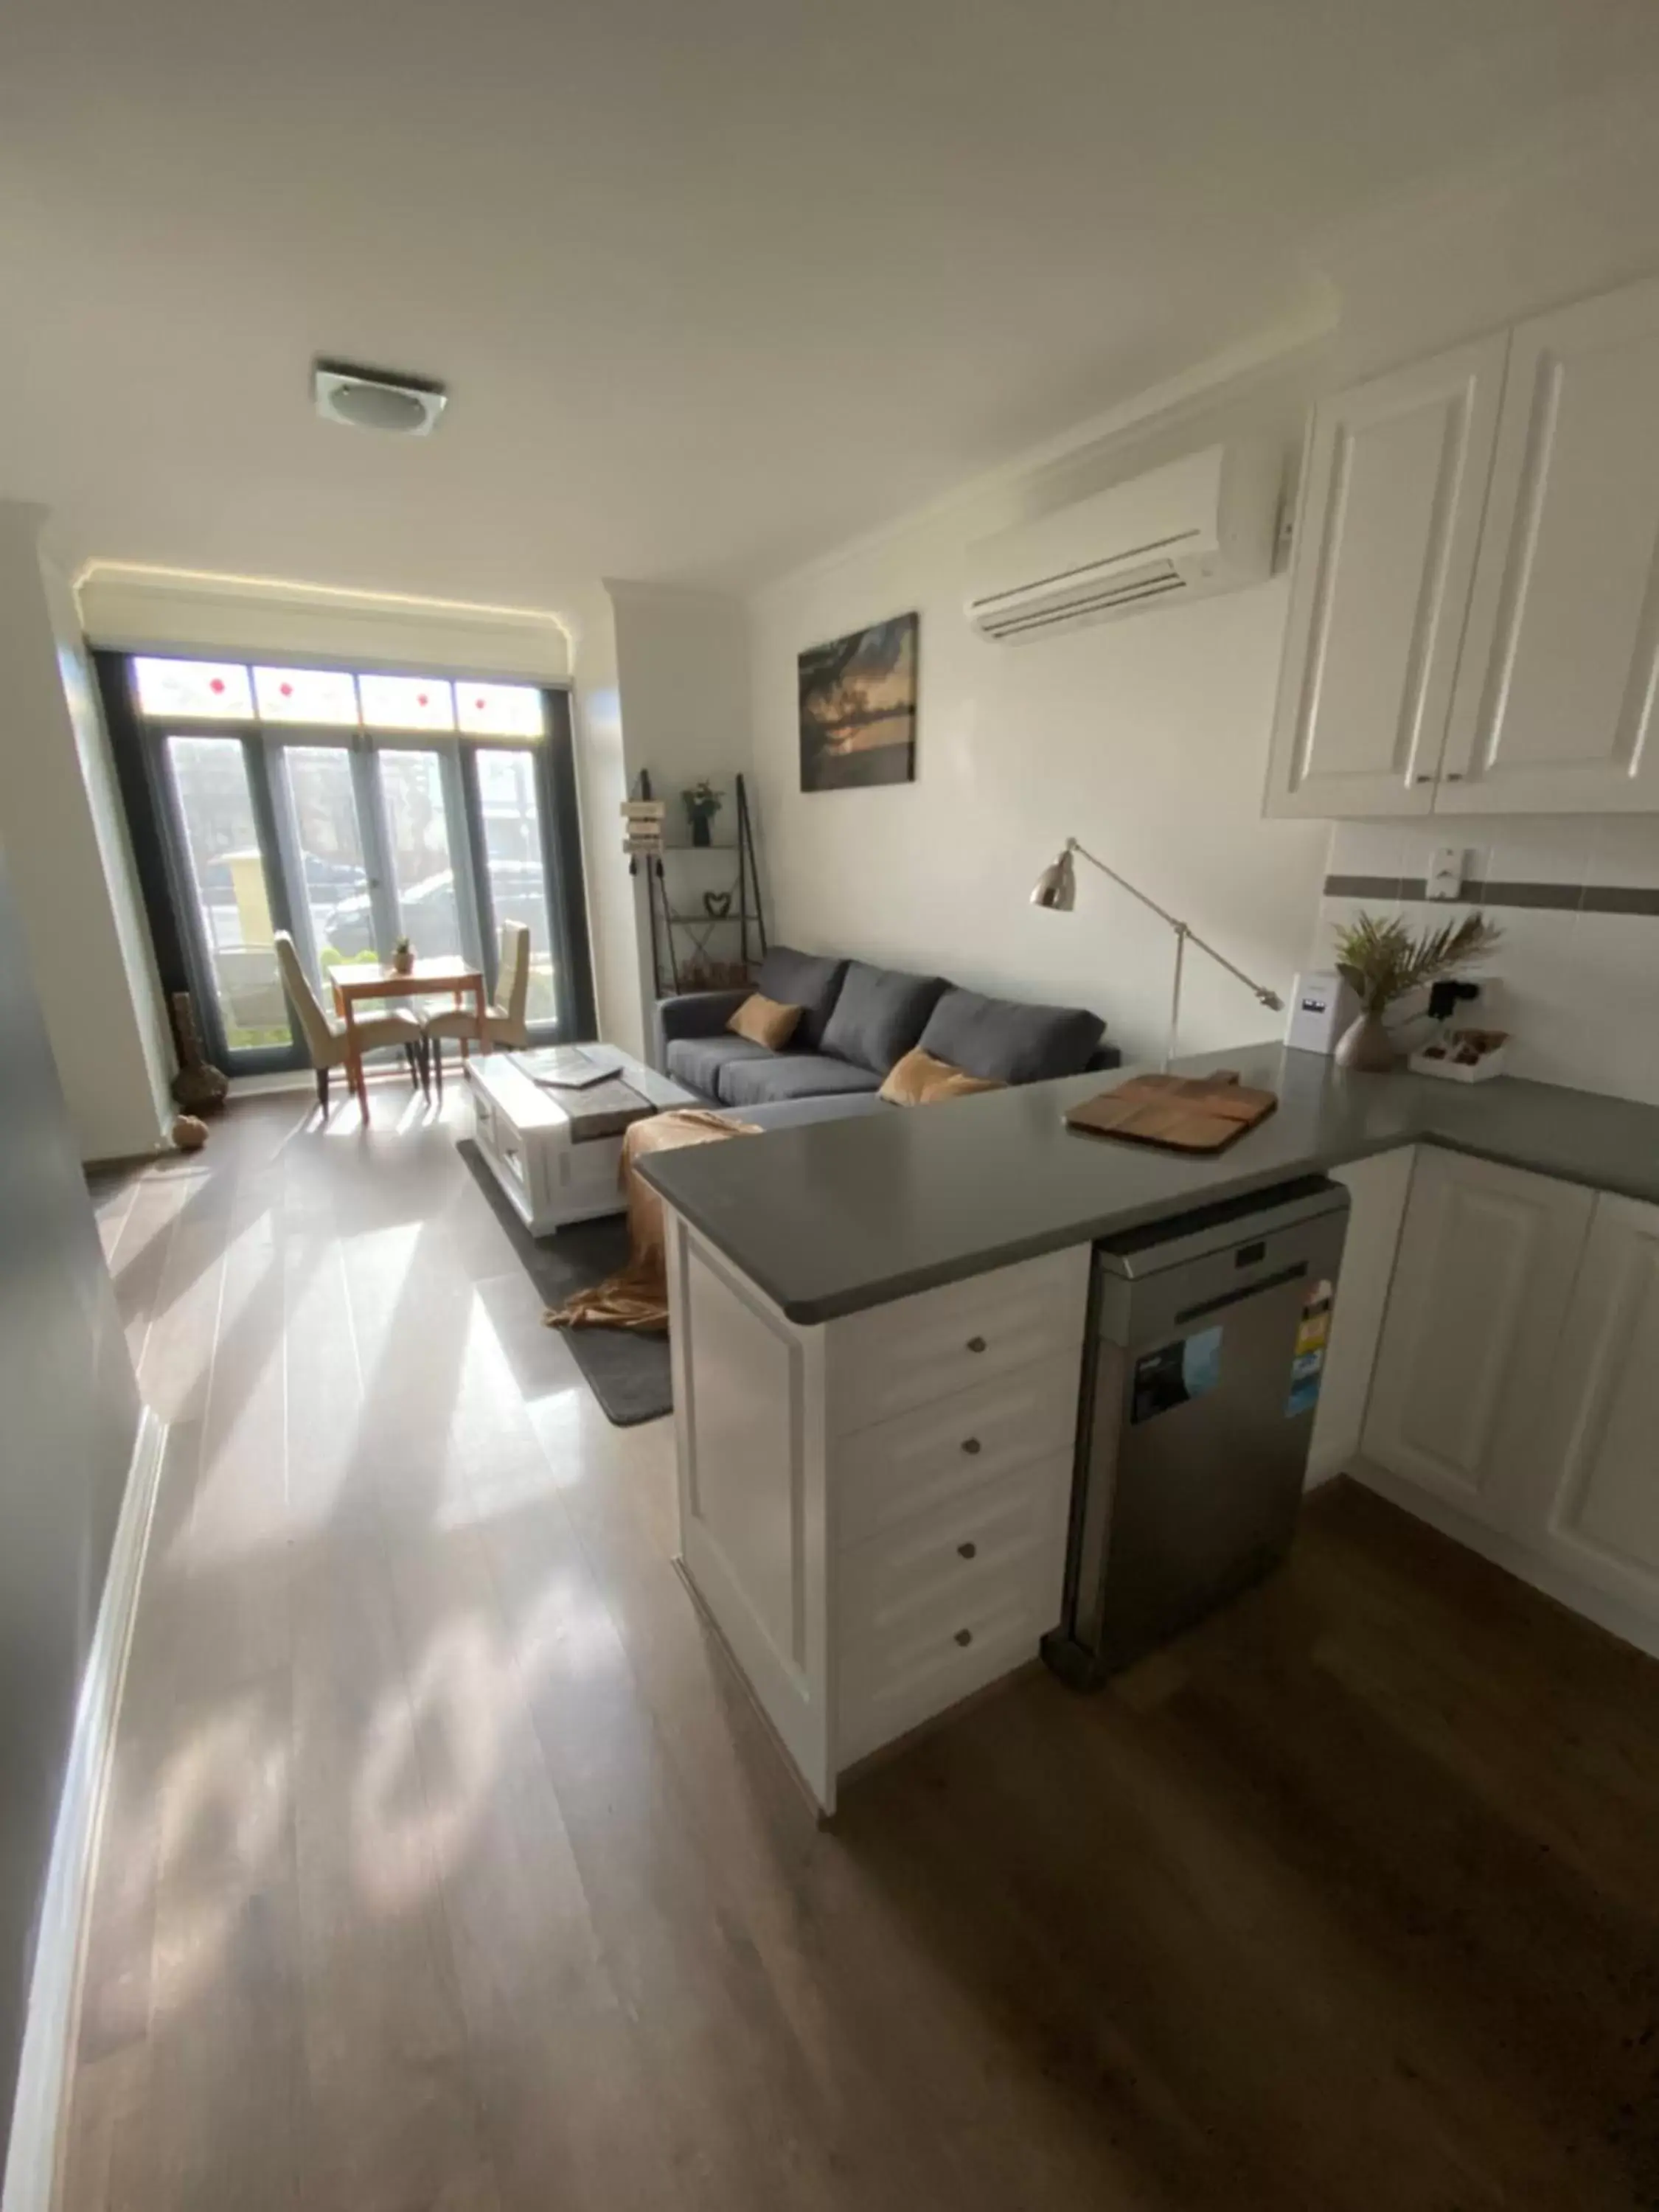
column 431, row 1757
column 221, row 1800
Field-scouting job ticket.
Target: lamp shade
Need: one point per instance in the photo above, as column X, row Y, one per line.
column 1056, row 887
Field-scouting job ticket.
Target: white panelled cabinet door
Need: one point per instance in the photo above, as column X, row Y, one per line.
column 1598, row 1505
column 1389, row 517
column 1554, row 705
column 1481, row 1286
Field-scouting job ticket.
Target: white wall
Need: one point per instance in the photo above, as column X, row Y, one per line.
column 1577, row 990
column 683, row 670
column 109, row 824
column 139, row 608
column 1145, row 737
column 601, row 785
column 71, row 874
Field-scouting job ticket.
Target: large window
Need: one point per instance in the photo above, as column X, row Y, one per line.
column 351, row 808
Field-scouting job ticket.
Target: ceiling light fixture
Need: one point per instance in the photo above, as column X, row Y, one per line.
column 377, row 398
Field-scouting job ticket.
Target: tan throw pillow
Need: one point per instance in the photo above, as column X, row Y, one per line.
column 763, row 1021
column 919, row 1079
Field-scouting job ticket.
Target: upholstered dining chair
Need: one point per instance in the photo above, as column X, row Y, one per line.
column 324, row 1034
column 504, row 1017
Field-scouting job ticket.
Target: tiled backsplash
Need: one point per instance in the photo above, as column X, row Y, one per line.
column 1576, row 976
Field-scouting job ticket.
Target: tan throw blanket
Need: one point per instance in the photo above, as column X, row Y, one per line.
column 637, row 1297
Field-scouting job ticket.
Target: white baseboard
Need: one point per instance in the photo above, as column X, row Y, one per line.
column 49, row 2027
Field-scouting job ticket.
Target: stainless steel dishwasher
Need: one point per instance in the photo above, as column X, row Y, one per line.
column 1203, row 1361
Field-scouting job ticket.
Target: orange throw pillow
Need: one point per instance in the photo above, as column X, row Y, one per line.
column 919, row 1079
column 763, row 1021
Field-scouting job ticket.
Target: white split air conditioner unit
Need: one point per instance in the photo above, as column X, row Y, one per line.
column 1201, row 524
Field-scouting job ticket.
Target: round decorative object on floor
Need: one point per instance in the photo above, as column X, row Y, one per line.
column 1366, row 1047
column 188, row 1133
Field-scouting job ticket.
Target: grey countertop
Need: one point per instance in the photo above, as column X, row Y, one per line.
column 837, row 1216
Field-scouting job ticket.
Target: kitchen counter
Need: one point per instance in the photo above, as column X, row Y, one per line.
column 837, row 1216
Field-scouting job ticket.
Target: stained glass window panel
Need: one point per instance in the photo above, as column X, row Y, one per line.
column 202, row 690
column 406, row 703
column 499, row 710
column 324, row 697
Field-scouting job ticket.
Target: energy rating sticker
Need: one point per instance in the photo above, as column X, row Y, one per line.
column 1312, row 1336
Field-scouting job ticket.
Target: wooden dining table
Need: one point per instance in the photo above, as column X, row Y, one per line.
column 355, row 981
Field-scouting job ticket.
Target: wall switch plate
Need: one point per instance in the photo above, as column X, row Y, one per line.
column 1445, row 878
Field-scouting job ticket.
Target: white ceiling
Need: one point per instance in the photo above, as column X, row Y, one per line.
column 714, row 283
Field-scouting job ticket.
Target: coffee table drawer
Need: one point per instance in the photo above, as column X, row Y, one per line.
column 904, row 1354
column 922, row 1461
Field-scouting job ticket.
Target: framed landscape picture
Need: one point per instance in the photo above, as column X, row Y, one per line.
column 858, row 707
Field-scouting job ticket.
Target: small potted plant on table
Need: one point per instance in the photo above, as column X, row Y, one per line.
column 1383, row 962
column 402, row 957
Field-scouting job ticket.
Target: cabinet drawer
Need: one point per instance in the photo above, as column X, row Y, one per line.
column 883, row 1362
column 920, row 1627
column 993, row 1536
column 923, row 1460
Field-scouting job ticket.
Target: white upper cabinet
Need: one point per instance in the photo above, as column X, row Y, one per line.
column 1474, row 624
column 1389, row 518
column 1554, row 705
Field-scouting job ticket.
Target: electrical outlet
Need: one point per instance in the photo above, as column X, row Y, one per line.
column 1445, row 878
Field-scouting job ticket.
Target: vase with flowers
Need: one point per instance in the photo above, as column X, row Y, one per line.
column 1384, row 962
column 702, row 803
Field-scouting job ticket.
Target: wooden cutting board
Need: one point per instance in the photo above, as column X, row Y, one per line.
column 1183, row 1114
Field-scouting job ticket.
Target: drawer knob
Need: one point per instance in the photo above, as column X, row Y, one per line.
column 964, row 1636
column 976, row 1344
column 972, row 1446
column 968, row 1551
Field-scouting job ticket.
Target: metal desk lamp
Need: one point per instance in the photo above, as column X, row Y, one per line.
column 1057, row 889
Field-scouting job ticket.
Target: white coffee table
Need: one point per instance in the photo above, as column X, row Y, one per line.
column 533, row 1138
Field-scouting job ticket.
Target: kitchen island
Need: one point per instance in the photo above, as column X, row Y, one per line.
column 878, row 1336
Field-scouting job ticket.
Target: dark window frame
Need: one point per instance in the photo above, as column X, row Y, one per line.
column 138, row 743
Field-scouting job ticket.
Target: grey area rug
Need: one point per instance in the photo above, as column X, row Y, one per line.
column 627, row 1372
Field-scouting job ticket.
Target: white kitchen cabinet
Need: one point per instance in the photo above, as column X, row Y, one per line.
column 1389, row 518
column 1473, row 625
column 1596, row 1510
column 874, row 1509
column 1461, row 1392
column 1554, row 703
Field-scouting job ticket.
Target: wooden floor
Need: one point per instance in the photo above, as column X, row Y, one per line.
column 447, row 1867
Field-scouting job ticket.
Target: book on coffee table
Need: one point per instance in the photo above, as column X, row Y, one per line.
column 563, row 1067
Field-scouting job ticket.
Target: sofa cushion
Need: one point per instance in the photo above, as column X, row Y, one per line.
column 791, row 1075
column 1015, row 1043
column 803, row 979
column 763, row 1021
column 697, row 1061
column 919, row 1079
column 880, row 1013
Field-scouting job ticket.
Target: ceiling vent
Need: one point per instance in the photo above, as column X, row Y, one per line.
column 377, row 398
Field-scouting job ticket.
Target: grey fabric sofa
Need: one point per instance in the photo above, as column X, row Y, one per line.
column 856, row 1021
